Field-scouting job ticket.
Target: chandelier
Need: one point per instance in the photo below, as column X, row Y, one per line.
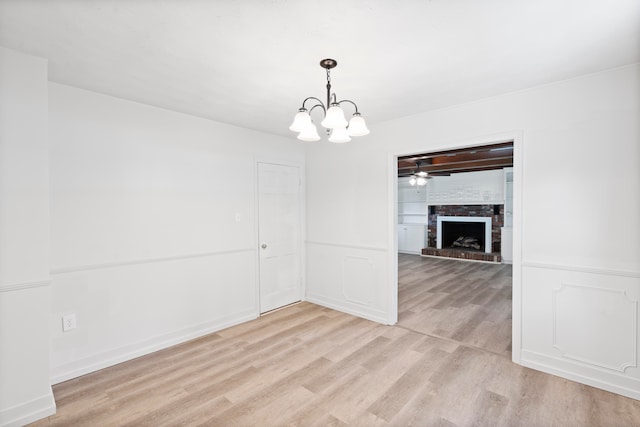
column 338, row 128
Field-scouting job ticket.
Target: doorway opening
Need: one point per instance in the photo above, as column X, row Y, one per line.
column 466, row 213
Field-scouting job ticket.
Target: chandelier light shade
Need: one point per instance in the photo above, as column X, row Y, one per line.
column 357, row 126
column 337, row 127
column 339, row 135
column 300, row 121
column 334, row 118
column 309, row 133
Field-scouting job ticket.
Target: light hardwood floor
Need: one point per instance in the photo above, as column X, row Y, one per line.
column 446, row 363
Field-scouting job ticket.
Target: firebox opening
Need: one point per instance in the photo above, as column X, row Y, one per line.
column 469, row 236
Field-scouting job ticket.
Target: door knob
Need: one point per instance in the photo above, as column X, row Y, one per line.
column 263, row 246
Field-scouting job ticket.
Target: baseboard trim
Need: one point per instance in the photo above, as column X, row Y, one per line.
column 369, row 314
column 123, row 354
column 28, row 412
column 615, row 383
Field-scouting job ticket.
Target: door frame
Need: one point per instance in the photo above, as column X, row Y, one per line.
column 517, row 136
column 303, row 225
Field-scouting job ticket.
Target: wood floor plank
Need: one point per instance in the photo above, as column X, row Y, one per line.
column 446, row 363
column 401, row 392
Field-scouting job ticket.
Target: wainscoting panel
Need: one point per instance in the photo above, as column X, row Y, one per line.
column 582, row 324
column 583, row 315
column 351, row 279
column 357, row 277
column 134, row 308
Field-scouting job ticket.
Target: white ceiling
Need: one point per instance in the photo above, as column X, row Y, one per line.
column 252, row 62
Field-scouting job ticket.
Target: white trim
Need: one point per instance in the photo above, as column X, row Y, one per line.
column 28, row 412
column 112, row 357
column 613, row 382
column 344, row 245
column 580, row 269
column 392, row 238
column 357, row 310
column 517, row 225
column 25, row 285
column 116, row 264
column 486, row 220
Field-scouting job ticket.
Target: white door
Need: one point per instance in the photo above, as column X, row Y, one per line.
column 279, row 235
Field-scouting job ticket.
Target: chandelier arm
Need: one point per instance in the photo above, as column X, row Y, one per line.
column 318, row 105
column 312, row 97
column 350, row 102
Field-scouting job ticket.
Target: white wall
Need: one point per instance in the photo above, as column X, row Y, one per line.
column 25, row 392
column 144, row 242
column 577, row 271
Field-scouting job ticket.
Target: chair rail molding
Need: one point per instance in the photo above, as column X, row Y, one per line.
column 116, row 264
column 25, row 285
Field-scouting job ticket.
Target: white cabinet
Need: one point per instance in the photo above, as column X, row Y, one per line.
column 411, row 238
column 506, row 232
column 506, row 244
column 412, row 203
column 412, row 217
column 508, row 197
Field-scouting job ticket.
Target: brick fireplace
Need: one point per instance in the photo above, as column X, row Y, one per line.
column 490, row 215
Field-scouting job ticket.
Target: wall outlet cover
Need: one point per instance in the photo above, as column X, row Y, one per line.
column 68, row 322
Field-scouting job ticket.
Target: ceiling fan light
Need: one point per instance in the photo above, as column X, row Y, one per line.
column 309, row 133
column 422, row 174
column 334, row 118
column 357, row 126
column 413, row 180
column 301, row 120
column 421, row 180
column 339, row 134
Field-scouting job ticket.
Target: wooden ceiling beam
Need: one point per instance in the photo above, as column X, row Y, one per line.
column 487, row 157
column 483, row 151
column 494, row 163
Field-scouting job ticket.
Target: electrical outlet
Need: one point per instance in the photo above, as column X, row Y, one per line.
column 68, row 322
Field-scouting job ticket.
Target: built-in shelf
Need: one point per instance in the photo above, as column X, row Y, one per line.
column 412, row 203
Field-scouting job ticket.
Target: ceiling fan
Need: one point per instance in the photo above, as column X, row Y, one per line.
column 419, row 177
